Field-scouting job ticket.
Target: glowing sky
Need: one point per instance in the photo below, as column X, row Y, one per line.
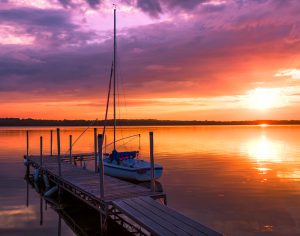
column 178, row 59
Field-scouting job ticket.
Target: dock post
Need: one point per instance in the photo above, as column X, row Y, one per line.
column 27, row 144
column 70, row 149
column 101, row 169
column 41, row 151
column 105, row 144
column 58, row 151
column 41, row 210
column 59, row 225
column 27, row 154
column 152, row 162
column 27, row 193
column 51, row 138
column 95, row 149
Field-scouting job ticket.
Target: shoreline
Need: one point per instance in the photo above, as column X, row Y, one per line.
column 16, row 122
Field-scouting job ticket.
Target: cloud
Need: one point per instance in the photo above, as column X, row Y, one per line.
column 93, row 3
column 152, row 7
column 292, row 73
column 37, row 17
column 207, row 49
column 49, row 28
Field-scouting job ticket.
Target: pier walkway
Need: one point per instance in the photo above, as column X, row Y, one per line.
column 134, row 207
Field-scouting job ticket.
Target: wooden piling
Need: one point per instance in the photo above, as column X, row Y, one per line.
column 27, row 143
column 27, row 192
column 70, row 149
column 59, row 225
column 152, row 163
column 41, row 210
column 41, row 151
column 95, row 149
column 101, row 169
column 105, row 143
column 51, row 142
column 27, row 154
column 139, row 141
column 58, row 150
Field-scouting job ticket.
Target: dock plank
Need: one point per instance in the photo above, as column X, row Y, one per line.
column 180, row 217
column 88, row 181
column 141, row 218
column 167, row 217
column 147, row 212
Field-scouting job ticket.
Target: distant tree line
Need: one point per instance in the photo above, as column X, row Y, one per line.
column 136, row 122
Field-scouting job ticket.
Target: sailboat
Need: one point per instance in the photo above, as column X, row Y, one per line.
column 125, row 165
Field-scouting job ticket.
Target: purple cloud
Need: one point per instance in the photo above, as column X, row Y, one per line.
column 204, row 55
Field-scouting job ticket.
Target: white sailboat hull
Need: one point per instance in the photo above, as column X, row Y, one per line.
column 142, row 173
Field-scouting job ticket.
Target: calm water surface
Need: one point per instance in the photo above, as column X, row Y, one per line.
column 240, row 180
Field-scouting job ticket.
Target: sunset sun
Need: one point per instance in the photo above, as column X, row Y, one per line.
column 263, row 98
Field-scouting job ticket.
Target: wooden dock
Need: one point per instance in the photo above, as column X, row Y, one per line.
column 136, row 208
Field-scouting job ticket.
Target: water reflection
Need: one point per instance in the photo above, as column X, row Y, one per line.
column 82, row 219
column 240, row 180
column 264, row 150
column 271, row 155
column 8, row 216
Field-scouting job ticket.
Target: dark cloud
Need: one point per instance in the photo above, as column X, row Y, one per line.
column 49, row 27
column 152, row 7
column 35, row 17
column 93, row 3
column 66, row 3
column 156, row 7
column 185, row 4
column 69, row 3
column 81, row 70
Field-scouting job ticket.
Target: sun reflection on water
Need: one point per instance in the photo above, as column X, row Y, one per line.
column 270, row 156
column 264, row 153
column 264, row 150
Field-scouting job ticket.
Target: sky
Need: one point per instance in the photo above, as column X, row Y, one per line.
column 176, row 59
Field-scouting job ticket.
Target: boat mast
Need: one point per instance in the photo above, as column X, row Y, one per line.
column 115, row 122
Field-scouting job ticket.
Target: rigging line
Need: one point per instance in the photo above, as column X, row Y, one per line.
column 122, row 88
column 121, row 92
column 108, row 96
column 118, row 91
column 122, row 139
column 118, row 101
column 124, row 143
column 93, row 122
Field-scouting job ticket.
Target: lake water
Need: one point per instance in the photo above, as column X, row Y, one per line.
column 239, row 180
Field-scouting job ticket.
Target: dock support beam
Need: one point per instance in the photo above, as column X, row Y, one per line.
column 95, row 149
column 70, row 149
column 51, row 142
column 101, row 169
column 58, row 151
column 152, row 163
